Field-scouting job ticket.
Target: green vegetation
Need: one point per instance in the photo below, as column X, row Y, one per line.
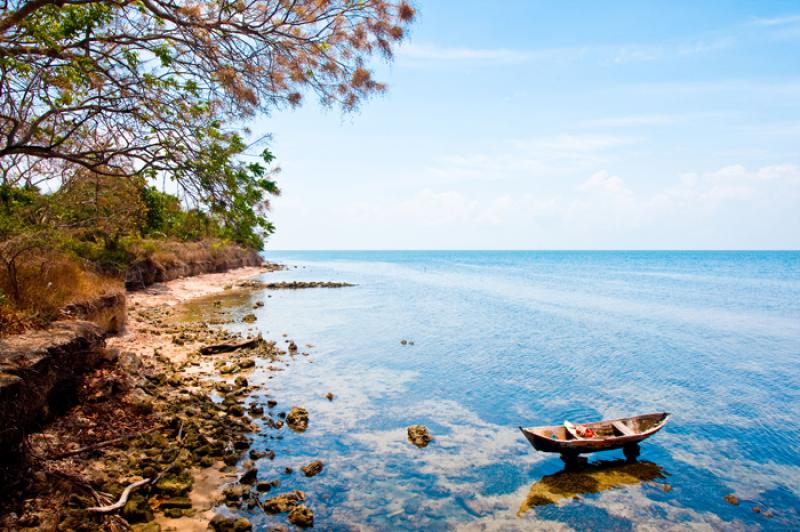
column 100, row 101
column 77, row 242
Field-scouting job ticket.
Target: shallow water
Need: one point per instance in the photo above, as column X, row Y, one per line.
column 503, row 339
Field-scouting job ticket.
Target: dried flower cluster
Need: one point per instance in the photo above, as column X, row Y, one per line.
column 122, row 86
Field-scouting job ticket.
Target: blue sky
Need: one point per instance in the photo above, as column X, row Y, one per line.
column 559, row 125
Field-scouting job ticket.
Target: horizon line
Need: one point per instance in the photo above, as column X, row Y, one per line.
column 726, row 250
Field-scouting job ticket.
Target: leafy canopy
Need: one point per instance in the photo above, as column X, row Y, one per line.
column 161, row 88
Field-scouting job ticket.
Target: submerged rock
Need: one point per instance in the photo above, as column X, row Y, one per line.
column 297, row 419
column 312, row 469
column 174, row 485
column 255, row 454
column 183, row 503
column 294, row 285
column 223, row 387
column 249, row 318
column 275, row 424
column 242, row 525
column 283, row 503
column 236, row 410
column 215, row 349
column 229, row 368
column 236, row 492
column 221, row 523
column 173, row 513
column 419, row 435
column 249, row 476
column 136, row 510
column 301, row 516
column 732, row 499
column 174, row 380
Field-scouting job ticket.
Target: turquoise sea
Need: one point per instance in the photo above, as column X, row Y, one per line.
column 502, row 339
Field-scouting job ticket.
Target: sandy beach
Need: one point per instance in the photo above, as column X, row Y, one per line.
column 137, row 336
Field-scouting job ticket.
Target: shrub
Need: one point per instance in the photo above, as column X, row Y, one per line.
column 42, row 282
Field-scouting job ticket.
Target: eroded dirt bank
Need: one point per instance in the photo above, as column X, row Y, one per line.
column 38, row 370
column 158, row 428
column 189, row 260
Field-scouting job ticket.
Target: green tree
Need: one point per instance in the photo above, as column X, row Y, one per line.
column 160, row 87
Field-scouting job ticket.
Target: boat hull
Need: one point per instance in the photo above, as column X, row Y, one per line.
column 555, row 439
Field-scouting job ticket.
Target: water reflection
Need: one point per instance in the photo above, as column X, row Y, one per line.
column 214, row 308
column 593, row 478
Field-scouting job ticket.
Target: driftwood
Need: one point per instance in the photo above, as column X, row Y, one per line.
column 123, row 499
column 226, row 348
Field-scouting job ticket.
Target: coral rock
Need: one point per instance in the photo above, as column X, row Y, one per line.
column 297, row 419
column 301, row 516
column 283, row 503
column 312, row 469
column 419, row 435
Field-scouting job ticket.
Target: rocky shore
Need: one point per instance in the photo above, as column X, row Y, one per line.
column 159, row 434
column 293, row 285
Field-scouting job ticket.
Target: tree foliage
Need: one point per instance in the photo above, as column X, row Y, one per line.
column 160, row 88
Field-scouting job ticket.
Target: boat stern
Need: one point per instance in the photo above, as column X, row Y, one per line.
column 539, row 442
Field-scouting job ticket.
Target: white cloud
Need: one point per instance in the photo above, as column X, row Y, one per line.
column 784, row 172
column 437, row 207
column 601, row 54
column 604, row 211
column 634, row 120
column 603, row 181
column 784, row 20
column 561, row 145
column 536, row 157
column 439, row 53
column 737, row 181
column 635, row 54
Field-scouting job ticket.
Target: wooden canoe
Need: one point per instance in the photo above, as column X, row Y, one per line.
column 609, row 434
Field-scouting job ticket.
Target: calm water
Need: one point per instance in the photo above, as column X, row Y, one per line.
column 526, row 338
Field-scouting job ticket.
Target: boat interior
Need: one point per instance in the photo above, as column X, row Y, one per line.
column 609, row 428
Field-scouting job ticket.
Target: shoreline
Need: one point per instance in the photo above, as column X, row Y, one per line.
column 180, row 418
column 137, row 335
column 208, row 482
